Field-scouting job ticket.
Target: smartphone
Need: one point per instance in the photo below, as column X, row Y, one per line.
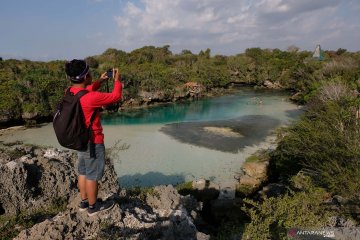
column 109, row 73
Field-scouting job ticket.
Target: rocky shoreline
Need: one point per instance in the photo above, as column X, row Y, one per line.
column 33, row 179
column 39, row 200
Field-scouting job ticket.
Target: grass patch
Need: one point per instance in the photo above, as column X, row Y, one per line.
column 259, row 156
column 230, row 230
column 243, row 190
column 141, row 192
column 252, row 158
column 11, row 226
column 185, row 188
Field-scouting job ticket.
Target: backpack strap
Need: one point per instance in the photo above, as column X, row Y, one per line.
column 78, row 95
column 91, row 122
column 93, row 117
column 67, row 91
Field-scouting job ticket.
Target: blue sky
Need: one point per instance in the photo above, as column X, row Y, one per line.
column 66, row 29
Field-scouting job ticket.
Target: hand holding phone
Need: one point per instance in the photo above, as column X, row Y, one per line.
column 109, row 73
column 116, row 74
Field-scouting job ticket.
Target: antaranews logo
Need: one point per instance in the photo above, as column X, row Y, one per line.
column 292, row 233
column 299, row 234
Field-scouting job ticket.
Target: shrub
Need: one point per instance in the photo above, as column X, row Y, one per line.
column 11, row 226
column 326, row 142
column 272, row 218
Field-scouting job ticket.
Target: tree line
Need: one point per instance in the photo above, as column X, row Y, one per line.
column 31, row 90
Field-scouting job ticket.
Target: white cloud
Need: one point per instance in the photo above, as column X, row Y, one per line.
column 230, row 26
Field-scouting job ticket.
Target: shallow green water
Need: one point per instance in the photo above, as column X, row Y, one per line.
column 172, row 143
column 168, row 143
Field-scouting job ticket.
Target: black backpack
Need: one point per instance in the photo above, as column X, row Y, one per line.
column 69, row 122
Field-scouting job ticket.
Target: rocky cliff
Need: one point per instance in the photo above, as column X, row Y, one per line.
column 33, row 178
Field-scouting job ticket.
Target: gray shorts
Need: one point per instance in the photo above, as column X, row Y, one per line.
column 91, row 163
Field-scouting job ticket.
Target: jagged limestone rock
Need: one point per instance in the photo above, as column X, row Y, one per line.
column 33, row 177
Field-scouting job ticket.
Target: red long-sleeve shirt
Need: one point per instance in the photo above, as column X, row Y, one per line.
column 94, row 100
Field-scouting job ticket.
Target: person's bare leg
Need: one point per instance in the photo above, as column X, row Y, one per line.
column 91, row 191
column 82, row 186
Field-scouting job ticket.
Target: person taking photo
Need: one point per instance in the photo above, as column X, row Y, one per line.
column 91, row 162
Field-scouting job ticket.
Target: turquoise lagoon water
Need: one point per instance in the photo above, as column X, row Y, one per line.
column 179, row 142
column 244, row 102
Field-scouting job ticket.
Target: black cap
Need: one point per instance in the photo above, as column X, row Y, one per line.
column 76, row 70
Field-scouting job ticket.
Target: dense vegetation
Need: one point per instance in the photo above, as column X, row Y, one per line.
column 30, row 90
column 318, row 159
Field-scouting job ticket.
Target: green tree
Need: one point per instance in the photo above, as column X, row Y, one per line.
column 92, row 62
